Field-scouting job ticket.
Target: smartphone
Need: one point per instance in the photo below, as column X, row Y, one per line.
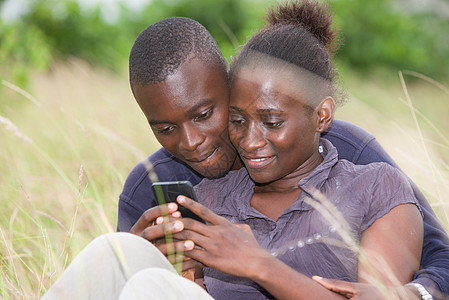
column 168, row 191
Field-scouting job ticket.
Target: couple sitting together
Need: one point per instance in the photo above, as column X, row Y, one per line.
column 297, row 205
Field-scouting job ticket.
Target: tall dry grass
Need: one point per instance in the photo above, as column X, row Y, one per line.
column 66, row 150
column 68, row 143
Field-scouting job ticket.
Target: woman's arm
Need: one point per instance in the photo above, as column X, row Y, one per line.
column 391, row 247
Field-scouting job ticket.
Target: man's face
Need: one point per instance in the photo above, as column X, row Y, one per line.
column 188, row 113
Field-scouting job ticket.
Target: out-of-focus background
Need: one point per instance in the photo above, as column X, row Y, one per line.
column 70, row 130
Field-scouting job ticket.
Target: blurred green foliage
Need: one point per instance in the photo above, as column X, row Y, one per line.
column 57, row 29
column 52, row 30
column 374, row 34
column 22, row 47
column 70, row 31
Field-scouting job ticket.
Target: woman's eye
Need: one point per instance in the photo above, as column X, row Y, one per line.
column 236, row 121
column 204, row 115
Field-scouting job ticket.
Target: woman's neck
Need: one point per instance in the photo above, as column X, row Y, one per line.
column 290, row 182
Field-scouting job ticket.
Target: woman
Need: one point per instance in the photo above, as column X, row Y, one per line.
column 282, row 98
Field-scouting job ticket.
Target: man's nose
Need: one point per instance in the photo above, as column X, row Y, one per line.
column 191, row 138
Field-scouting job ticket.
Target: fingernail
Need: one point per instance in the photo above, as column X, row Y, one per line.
column 188, row 245
column 159, row 220
column 317, row 277
column 171, row 206
column 176, row 214
column 181, row 199
column 177, row 225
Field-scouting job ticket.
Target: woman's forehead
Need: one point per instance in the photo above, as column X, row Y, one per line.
column 267, row 85
column 287, row 78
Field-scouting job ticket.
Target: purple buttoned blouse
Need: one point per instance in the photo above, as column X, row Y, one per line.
column 320, row 232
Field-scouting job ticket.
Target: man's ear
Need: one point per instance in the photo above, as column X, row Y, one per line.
column 325, row 112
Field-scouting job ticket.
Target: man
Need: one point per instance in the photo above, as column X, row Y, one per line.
column 179, row 79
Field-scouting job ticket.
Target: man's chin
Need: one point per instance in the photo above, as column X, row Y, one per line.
column 214, row 171
column 218, row 175
column 213, row 174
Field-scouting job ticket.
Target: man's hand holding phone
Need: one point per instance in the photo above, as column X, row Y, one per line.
column 160, row 222
column 147, row 228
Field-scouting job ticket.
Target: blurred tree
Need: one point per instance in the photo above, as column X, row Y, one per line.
column 229, row 21
column 73, row 32
column 376, row 33
column 22, row 47
column 57, row 29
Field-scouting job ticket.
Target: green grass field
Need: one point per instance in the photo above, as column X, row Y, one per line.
column 68, row 145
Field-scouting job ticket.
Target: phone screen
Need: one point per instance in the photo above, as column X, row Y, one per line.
column 168, row 191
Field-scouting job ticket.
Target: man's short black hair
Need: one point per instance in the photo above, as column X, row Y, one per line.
column 163, row 46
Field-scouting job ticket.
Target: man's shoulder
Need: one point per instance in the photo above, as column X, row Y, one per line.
column 356, row 144
column 343, row 132
column 159, row 166
column 160, row 162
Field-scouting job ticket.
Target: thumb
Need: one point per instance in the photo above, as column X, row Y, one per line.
column 341, row 287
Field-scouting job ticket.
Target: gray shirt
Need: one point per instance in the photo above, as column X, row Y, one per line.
column 320, row 232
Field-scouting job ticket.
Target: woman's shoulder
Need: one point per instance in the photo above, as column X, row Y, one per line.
column 370, row 191
column 377, row 181
column 374, row 169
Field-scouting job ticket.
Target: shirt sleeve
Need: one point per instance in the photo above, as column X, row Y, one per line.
column 127, row 215
column 389, row 190
column 135, row 198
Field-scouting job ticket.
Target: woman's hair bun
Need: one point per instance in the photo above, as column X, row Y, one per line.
column 313, row 16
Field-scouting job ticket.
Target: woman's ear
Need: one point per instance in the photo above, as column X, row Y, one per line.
column 325, row 111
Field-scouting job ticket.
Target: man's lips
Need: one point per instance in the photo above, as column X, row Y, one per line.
column 258, row 162
column 202, row 158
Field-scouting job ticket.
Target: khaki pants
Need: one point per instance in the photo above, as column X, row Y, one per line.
column 122, row 266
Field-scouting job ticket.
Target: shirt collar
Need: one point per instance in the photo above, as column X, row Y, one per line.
column 309, row 184
column 316, row 179
column 320, row 174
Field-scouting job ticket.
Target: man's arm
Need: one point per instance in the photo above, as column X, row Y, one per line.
column 137, row 196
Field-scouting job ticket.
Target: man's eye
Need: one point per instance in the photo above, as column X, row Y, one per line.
column 204, row 115
column 165, row 130
column 274, row 124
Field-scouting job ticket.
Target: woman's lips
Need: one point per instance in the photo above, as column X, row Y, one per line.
column 259, row 162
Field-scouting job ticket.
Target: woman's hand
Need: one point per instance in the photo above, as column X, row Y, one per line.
column 233, row 249
column 222, row 245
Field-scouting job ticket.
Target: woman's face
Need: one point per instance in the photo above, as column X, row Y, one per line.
column 275, row 133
